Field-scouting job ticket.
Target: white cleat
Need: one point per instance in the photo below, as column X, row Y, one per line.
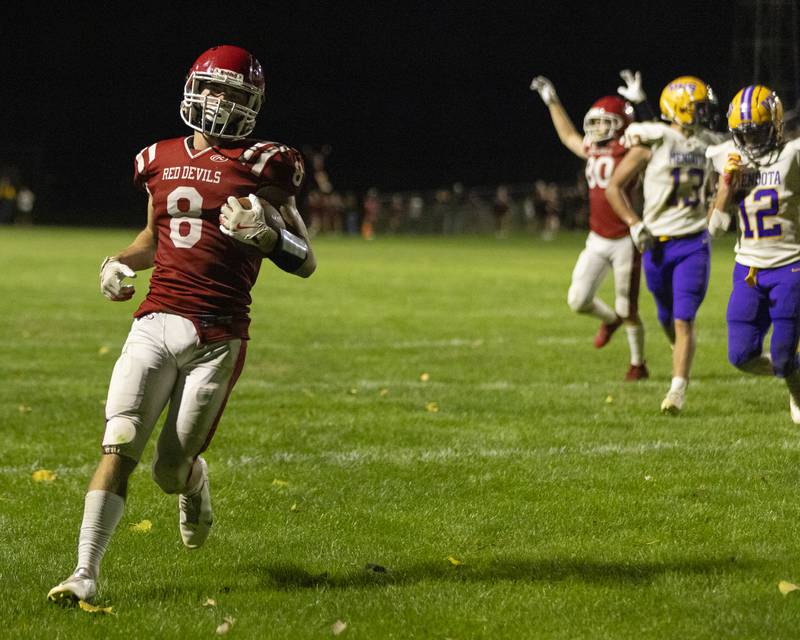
column 673, row 402
column 195, row 513
column 794, row 410
column 79, row 586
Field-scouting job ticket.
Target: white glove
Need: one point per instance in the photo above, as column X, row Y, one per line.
column 112, row 271
column 719, row 222
column 632, row 91
column 250, row 225
column 642, row 237
column 545, row 89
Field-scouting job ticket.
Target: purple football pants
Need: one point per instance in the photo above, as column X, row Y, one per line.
column 774, row 300
column 677, row 275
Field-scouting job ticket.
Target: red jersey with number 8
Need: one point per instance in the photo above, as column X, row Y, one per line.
column 600, row 164
column 200, row 273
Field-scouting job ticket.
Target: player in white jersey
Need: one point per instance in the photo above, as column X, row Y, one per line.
column 760, row 180
column 672, row 231
column 608, row 245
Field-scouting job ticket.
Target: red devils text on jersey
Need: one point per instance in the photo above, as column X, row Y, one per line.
column 600, row 164
column 200, row 273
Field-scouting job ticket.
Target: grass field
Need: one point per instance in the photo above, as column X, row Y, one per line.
column 574, row 508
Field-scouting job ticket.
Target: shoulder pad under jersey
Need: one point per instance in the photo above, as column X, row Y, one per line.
column 644, row 133
column 718, row 154
column 276, row 165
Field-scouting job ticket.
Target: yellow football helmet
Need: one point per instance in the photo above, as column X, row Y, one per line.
column 755, row 120
column 687, row 101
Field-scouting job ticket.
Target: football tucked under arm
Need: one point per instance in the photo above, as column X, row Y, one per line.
column 254, row 221
column 251, row 220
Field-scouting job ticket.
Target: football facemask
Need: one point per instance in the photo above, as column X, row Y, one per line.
column 707, row 111
column 599, row 127
column 755, row 120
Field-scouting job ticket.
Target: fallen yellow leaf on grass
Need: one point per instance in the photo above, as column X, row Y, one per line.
column 24, row 408
column 43, row 475
column 383, row 392
column 226, row 625
column 103, row 350
column 433, row 407
column 279, row 483
column 142, row 527
column 609, row 399
column 454, row 561
column 293, row 507
column 338, row 627
column 424, row 377
column 787, row 587
column 210, row 602
column 90, row 608
column 353, row 391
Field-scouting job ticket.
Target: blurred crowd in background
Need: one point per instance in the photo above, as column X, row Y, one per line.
column 17, row 200
column 539, row 207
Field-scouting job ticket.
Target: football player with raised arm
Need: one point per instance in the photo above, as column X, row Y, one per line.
column 672, row 230
column 609, row 244
column 760, row 181
column 187, row 345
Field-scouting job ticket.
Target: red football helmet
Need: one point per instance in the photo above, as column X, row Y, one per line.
column 607, row 119
column 223, row 93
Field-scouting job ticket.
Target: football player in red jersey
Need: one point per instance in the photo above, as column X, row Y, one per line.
column 609, row 243
column 219, row 202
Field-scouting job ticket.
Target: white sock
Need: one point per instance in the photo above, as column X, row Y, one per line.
column 636, row 343
column 603, row 311
column 679, row 384
column 101, row 513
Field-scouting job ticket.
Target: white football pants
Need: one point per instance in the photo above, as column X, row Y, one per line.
column 600, row 255
column 163, row 361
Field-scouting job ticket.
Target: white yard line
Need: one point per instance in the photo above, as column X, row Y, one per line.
column 468, row 343
column 365, row 384
column 408, row 456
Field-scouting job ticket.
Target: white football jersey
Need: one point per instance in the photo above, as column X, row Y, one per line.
column 676, row 179
column 768, row 205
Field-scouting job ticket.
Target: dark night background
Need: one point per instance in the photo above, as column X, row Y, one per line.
column 408, row 96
